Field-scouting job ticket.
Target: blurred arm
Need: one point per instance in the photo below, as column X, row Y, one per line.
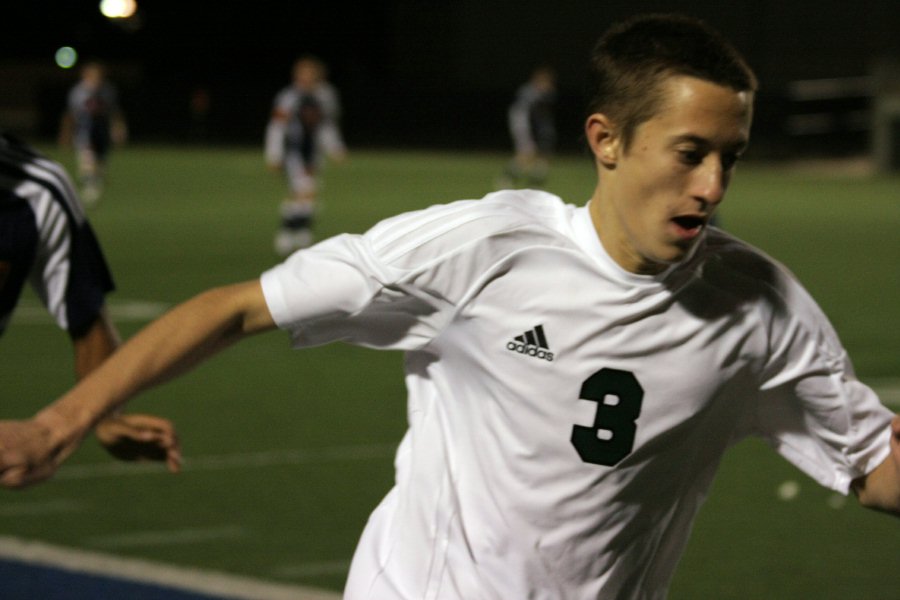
column 173, row 344
column 119, row 128
column 66, row 128
column 276, row 130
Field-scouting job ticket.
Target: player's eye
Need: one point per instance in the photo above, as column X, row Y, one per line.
column 691, row 156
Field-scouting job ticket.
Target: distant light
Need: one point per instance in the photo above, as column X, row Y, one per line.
column 118, row 9
column 66, row 57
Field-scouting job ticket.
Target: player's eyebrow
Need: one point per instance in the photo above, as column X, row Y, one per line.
column 737, row 146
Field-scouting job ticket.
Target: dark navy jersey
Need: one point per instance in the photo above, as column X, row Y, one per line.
column 46, row 240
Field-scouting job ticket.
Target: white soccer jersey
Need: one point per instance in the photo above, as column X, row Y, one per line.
column 566, row 417
column 285, row 137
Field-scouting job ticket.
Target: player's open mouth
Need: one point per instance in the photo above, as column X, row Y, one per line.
column 689, row 226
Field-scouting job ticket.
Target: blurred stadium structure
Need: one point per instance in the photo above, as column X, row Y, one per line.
column 851, row 115
column 440, row 75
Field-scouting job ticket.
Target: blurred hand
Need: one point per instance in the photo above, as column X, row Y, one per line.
column 27, row 453
column 141, row 437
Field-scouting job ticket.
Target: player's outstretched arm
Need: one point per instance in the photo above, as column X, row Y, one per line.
column 190, row 333
column 125, row 436
column 880, row 489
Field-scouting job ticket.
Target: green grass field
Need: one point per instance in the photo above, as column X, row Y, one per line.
column 287, row 451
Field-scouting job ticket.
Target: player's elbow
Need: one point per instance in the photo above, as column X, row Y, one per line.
column 244, row 305
column 878, row 493
column 890, row 508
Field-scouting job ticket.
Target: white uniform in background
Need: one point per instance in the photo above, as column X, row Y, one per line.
column 302, row 131
column 566, row 417
column 302, row 147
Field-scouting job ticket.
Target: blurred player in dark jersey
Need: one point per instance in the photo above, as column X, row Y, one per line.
column 46, row 240
column 533, row 130
column 93, row 122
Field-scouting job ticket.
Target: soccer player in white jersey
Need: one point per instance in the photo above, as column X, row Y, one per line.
column 46, row 240
column 93, row 121
column 303, row 129
column 574, row 373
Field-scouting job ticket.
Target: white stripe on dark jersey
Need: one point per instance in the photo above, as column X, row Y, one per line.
column 18, row 164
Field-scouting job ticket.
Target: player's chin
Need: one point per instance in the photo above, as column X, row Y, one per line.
column 674, row 252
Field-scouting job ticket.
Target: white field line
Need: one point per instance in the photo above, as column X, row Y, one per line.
column 142, row 539
column 45, row 507
column 222, row 462
column 33, row 313
column 212, row 583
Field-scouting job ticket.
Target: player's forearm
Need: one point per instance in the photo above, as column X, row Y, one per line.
column 95, row 345
column 171, row 345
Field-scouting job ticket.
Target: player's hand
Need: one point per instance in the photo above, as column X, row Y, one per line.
column 28, row 453
column 140, row 437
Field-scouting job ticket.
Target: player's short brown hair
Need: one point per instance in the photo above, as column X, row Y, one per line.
column 633, row 58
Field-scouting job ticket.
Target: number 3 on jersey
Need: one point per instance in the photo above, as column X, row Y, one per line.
column 619, row 397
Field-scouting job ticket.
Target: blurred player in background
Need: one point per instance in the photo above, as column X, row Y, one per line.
column 532, row 126
column 46, row 240
column 303, row 130
column 93, row 122
column 574, row 373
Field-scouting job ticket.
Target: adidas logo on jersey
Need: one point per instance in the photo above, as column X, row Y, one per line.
column 531, row 343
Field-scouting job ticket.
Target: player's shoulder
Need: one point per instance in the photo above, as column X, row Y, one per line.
column 11, row 145
column 508, row 218
column 529, row 204
column 30, row 174
column 286, row 94
column 734, row 254
column 18, row 159
column 741, row 270
column 496, row 212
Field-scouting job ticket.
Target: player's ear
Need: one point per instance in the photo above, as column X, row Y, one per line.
column 603, row 139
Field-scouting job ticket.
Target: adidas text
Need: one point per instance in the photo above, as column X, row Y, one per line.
column 530, row 350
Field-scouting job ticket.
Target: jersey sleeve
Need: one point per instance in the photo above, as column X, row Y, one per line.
column 397, row 285
column 70, row 273
column 812, row 408
column 338, row 291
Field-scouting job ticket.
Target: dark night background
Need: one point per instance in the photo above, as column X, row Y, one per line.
column 411, row 73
